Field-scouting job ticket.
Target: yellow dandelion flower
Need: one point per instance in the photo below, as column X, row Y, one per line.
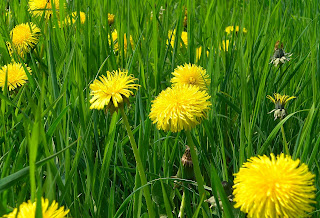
column 24, row 37
column 110, row 19
column 280, row 102
column 15, row 74
column 73, row 18
column 225, row 45
column 230, row 29
column 38, row 7
column 112, row 90
column 115, row 41
column 28, row 209
column 180, row 107
column 172, row 35
column 191, row 75
column 199, row 52
column 276, row 187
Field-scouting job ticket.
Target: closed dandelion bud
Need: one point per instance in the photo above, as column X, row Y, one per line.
column 186, row 161
column 279, row 55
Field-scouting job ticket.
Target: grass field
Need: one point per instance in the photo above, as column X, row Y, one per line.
column 54, row 146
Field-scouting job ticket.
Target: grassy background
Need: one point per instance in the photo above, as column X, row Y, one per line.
column 92, row 170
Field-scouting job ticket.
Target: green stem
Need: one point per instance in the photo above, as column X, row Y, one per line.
column 143, row 178
column 285, row 144
column 183, row 205
column 196, row 168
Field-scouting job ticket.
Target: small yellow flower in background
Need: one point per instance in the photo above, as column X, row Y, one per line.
column 110, row 19
column 74, row 16
column 276, row 187
column 230, row 29
column 180, row 107
column 280, row 101
column 115, row 41
column 172, row 36
column 28, row 210
column 199, row 53
column 279, row 55
column 38, row 7
column 112, row 90
column 24, row 37
column 191, row 75
column 225, row 45
column 15, row 74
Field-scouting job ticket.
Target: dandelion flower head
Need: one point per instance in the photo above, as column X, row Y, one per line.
column 112, row 90
column 230, row 29
column 276, row 187
column 15, row 74
column 180, row 107
column 280, row 101
column 24, row 37
column 82, row 17
column 110, row 19
column 115, row 41
column 28, row 209
column 225, row 45
column 199, row 53
column 38, row 7
column 191, row 75
column 172, row 36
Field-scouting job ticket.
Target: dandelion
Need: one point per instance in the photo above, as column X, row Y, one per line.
column 191, row 75
column 180, row 107
column 172, row 35
column 112, row 90
column 24, row 37
column 230, row 29
column 225, row 45
column 276, row 187
column 199, row 52
column 15, row 75
column 28, row 209
column 279, row 55
column 110, row 19
column 40, row 7
column 280, row 101
column 74, row 15
column 115, row 40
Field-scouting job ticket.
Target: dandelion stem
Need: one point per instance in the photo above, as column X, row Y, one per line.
column 183, row 205
column 196, row 167
column 285, row 144
column 143, row 178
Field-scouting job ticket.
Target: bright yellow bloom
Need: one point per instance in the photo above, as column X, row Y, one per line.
column 110, row 19
column 230, row 29
column 24, row 37
column 112, row 90
column 276, row 187
column 28, row 210
column 172, row 36
column 180, row 107
column 280, row 102
column 191, row 75
column 38, row 7
column 225, row 45
column 115, row 40
column 74, row 16
column 16, row 76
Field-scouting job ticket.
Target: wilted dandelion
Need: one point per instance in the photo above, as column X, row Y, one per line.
column 280, row 101
column 40, row 7
column 110, row 19
column 28, row 209
column 180, row 107
column 279, row 55
column 172, row 36
column 230, row 29
column 276, row 187
column 112, row 90
column 115, row 41
column 15, row 75
column 24, row 37
column 191, row 75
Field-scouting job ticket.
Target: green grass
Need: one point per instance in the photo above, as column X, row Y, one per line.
column 53, row 145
